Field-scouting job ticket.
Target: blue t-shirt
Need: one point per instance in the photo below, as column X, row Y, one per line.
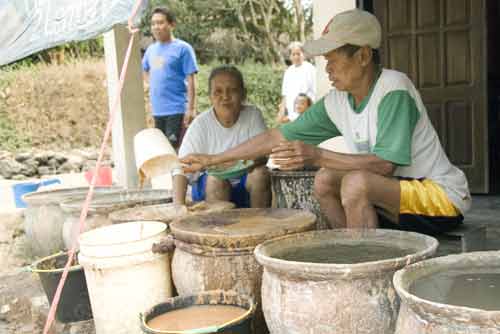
column 168, row 65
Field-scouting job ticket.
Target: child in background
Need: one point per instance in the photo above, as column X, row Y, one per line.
column 299, row 77
column 302, row 102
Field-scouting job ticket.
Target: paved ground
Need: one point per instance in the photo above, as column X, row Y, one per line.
column 486, row 211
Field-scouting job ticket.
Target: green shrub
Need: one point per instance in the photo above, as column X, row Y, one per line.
column 263, row 84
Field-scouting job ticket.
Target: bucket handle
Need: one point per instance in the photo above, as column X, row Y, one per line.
column 165, row 245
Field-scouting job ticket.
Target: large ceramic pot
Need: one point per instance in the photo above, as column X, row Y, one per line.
column 337, row 281
column 215, row 251
column 456, row 294
column 100, row 208
column 44, row 218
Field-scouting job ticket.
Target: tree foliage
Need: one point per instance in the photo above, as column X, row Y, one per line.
column 60, row 54
column 238, row 30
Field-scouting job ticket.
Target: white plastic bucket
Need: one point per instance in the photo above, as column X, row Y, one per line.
column 124, row 277
column 154, row 155
column 335, row 144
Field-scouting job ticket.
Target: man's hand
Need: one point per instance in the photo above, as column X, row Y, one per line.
column 189, row 116
column 295, row 155
column 195, row 162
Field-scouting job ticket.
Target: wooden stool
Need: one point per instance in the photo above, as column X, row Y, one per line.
column 472, row 237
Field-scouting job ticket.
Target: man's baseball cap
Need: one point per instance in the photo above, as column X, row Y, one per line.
column 356, row 27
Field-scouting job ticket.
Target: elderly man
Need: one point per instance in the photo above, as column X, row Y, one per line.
column 397, row 174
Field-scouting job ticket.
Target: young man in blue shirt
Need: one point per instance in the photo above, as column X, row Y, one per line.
column 170, row 64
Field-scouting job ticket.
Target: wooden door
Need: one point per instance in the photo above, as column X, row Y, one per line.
column 441, row 45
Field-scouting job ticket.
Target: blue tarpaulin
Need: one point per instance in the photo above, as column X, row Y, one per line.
column 29, row 26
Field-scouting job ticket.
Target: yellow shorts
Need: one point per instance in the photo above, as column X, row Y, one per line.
column 425, row 208
column 425, row 198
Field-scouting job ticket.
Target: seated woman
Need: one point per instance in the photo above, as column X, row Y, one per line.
column 227, row 123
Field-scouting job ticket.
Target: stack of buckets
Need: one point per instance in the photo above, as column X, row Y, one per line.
column 124, row 277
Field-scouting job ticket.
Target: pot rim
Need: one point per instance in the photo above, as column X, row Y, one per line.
column 123, row 215
column 33, row 269
column 402, row 281
column 326, row 271
column 182, row 228
column 103, row 205
column 44, row 196
column 161, row 232
column 213, row 329
column 294, row 173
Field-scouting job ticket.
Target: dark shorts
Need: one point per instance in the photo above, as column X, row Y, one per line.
column 172, row 127
column 239, row 194
column 422, row 224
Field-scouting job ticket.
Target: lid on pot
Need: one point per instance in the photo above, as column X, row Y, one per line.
column 168, row 212
column 106, row 203
column 242, row 227
column 55, row 196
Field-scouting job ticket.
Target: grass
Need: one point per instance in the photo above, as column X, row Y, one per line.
column 51, row 106
column 10, row 139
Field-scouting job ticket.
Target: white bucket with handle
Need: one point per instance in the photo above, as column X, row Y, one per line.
column 124, row 277
column 154, row 157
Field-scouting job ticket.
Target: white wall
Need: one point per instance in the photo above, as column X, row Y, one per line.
column 323, row 11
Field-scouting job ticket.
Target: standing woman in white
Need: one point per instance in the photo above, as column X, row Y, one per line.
column 300, row 77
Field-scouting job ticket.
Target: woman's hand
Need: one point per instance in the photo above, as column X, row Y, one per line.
column 295, row 155
column 225, row 165
column 195, row 162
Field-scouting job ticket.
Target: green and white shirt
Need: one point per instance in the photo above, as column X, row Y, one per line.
column 392, row 123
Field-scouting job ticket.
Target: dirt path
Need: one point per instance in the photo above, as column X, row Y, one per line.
column 23, row 304
column 14, row 252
